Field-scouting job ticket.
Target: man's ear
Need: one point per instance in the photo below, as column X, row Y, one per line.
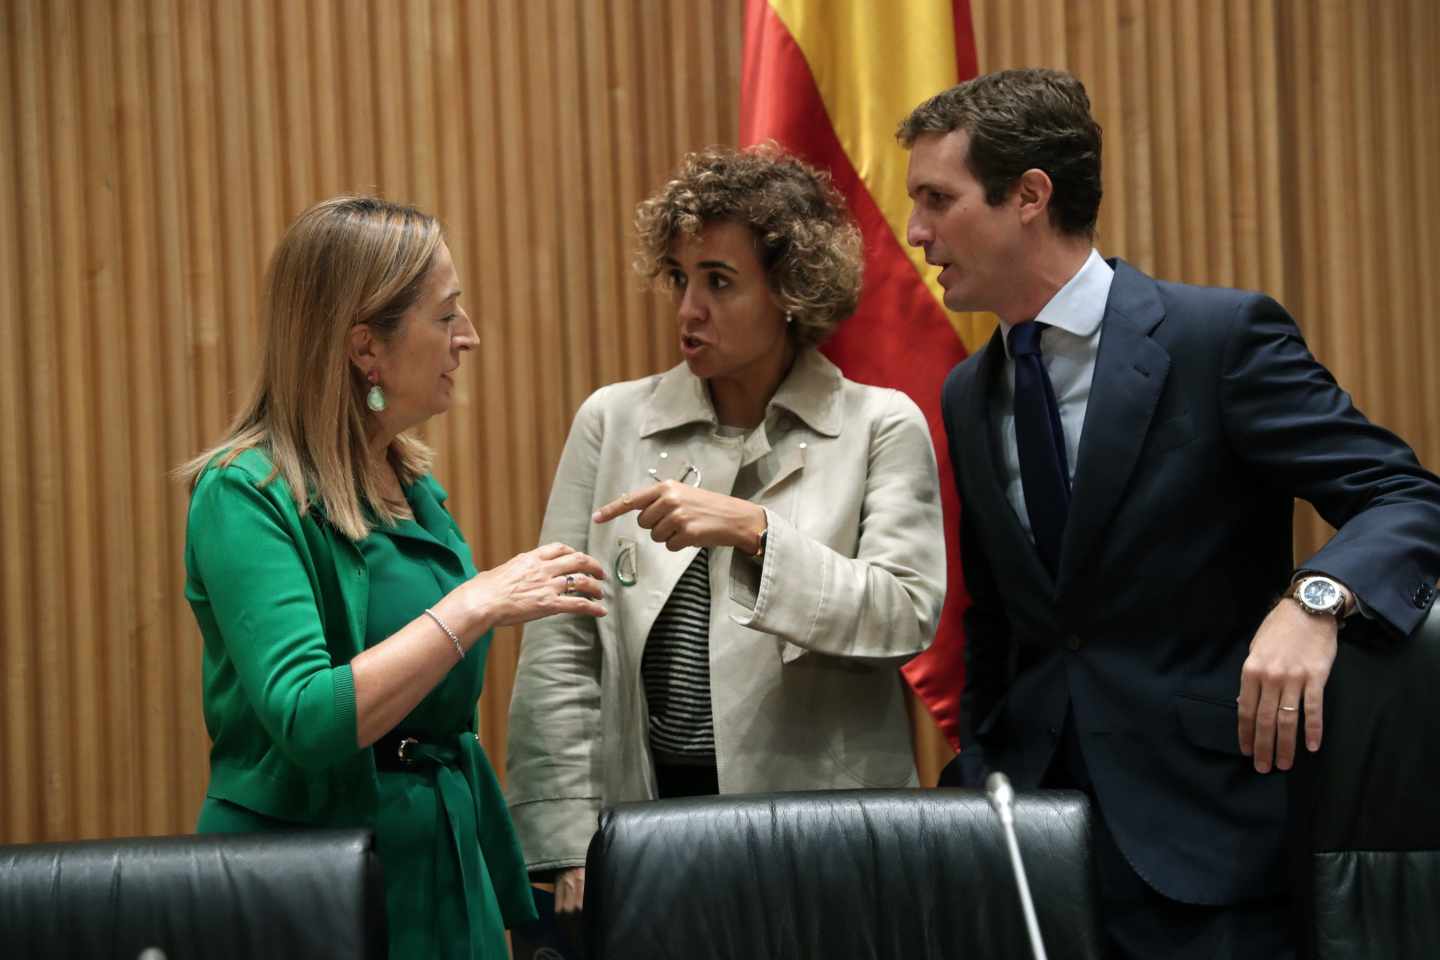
column 362, row 349
column 1033, row 191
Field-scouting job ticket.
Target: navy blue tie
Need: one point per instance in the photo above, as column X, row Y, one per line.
column 1044, row 475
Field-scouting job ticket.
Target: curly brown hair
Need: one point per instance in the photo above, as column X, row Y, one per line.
column 806, row 240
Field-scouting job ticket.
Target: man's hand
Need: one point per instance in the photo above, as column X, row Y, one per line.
column 1289, row 663
column 682, row 516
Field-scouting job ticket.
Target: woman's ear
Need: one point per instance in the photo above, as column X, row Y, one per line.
column 362, row 349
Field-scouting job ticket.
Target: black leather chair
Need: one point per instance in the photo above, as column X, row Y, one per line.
column 875, row 874
column 1366, row 807
column 311, row 893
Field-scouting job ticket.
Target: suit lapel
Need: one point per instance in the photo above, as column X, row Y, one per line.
column 1130, row 373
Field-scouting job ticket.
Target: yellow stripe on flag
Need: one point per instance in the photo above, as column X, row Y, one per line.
column 873, row 63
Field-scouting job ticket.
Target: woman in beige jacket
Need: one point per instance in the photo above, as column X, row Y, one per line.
column 773, row 532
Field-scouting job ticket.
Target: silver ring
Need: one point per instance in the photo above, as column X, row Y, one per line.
column 1289, row 709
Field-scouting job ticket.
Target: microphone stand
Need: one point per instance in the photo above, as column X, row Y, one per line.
column 1002, row 799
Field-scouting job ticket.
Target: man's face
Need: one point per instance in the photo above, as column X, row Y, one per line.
column 975, row 244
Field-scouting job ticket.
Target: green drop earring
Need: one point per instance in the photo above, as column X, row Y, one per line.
column 375, row 397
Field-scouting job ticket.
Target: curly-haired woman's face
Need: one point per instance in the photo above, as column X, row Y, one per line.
column 728, row 321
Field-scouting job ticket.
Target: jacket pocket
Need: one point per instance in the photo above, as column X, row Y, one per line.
column 856, row 713
column 875, row 769
column 1208, row 723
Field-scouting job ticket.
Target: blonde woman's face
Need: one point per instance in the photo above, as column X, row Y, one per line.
column 419, row 364
column 727, row 318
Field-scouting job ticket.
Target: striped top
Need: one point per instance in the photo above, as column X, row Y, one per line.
column 676, row 670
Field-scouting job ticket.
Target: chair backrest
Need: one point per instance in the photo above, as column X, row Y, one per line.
column 847, row 874
column 1366, row 807
column 310, row 893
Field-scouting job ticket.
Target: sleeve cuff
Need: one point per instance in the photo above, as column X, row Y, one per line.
column 344, row 697
column 555, row 834
column 754, row 590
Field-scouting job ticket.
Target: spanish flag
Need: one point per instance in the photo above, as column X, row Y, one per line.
column 830, row 80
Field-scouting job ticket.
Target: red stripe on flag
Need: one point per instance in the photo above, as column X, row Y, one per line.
column 967, row 62
column 899, row 336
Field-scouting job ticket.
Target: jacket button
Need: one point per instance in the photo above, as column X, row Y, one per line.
column 1073, row 642
column 1423, row 595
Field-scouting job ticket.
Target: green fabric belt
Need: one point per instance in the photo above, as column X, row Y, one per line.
column 475, row 806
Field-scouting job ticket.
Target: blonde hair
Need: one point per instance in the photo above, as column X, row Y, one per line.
column 344, row 261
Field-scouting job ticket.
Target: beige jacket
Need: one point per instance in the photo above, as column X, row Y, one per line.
column 804, row 650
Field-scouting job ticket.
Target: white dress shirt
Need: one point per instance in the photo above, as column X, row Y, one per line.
column 1068, row 350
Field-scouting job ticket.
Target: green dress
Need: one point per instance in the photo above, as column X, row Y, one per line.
column 435, row 822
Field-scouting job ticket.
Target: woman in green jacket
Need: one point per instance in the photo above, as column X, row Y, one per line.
column 344, row 622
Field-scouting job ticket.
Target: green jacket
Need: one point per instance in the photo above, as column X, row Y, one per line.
column 278, row 694
column 281, row 601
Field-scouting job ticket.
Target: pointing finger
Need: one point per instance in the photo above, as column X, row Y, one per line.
column 634, row 500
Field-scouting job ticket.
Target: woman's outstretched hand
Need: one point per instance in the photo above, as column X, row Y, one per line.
column 539, row 583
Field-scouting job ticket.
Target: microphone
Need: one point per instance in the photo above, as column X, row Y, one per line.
column 1002, row 799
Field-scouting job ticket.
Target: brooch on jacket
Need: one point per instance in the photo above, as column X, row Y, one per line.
column 627, row 550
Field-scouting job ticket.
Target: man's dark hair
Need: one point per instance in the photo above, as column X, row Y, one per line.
column 1018, row 120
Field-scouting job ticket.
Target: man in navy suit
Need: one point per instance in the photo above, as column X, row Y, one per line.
column 1127, row 452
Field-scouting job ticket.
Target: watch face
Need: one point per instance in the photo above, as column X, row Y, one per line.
column 1319, row 594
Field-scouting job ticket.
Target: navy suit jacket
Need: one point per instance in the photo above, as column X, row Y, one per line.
column 1207, row 417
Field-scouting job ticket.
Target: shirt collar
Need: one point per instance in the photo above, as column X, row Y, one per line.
column 1078, row 306
column 810, row 391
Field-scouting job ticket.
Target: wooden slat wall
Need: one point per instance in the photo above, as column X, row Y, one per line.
column 151, row 152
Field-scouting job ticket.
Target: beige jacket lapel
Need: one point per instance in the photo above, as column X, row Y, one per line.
column 677, row 431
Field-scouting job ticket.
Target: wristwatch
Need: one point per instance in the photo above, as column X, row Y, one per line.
column 759, row 555
column 1318, row 595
